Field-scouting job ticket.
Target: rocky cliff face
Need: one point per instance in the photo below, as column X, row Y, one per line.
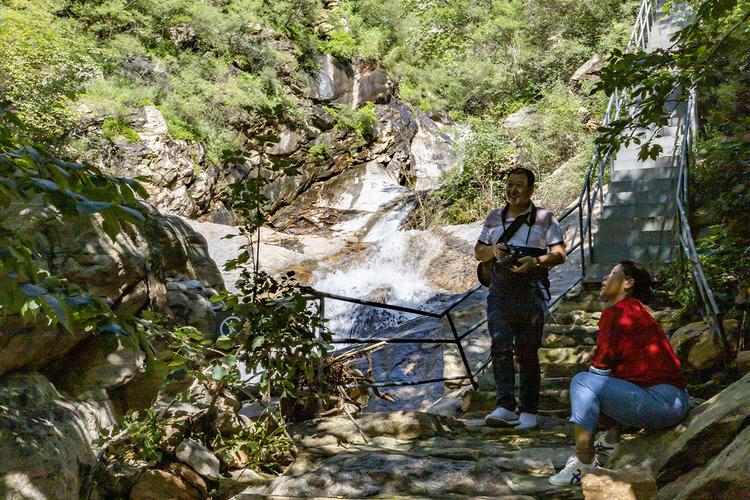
column 409, row 147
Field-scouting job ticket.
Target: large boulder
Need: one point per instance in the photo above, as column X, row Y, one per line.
column 130, row 272
column 45, row 438
column 727, row 476
column 97, row 364
column 699, row 348
column 705, row 433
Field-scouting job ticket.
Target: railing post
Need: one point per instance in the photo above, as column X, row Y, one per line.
column 461, row 351
column 590, row 216
column 583, row 236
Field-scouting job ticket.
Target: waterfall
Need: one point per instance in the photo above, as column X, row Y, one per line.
column 392, row 270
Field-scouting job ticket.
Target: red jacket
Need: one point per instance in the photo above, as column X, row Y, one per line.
column 633, row 345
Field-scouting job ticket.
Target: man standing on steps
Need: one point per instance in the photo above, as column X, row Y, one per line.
column 518, row 295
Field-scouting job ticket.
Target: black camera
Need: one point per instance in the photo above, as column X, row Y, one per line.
column 514, row 253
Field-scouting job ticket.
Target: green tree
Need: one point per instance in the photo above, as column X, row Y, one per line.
column 43, row 63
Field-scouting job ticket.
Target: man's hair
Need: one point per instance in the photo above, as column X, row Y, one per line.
column 524, row 171
column 642, row 288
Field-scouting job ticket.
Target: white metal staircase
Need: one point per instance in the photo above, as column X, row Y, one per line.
column 639, row 219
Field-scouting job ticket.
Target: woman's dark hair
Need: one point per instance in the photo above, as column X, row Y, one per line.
column 642, row 288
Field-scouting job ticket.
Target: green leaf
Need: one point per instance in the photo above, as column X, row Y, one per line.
column 219, row 373
column 31, row 290
column 178, row 374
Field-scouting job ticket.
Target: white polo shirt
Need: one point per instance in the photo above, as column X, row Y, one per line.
column 544, row 233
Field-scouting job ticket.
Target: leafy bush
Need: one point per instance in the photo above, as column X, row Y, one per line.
column 113, row 129
column 39, row 192
column 43, row 62
column 361, row 121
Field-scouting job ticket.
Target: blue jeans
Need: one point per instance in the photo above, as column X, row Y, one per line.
column 516, row 325
column 655, row 407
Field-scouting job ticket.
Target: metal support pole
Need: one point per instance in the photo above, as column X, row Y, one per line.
column 461, row 351
column 590, row 213
column 583, row 239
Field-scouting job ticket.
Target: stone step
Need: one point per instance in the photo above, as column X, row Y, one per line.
column 485, row 401
column 664, row 131
column 564, row 362
column 486, row 382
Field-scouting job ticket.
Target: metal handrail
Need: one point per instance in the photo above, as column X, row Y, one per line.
column 617, row 102
column 711, row 311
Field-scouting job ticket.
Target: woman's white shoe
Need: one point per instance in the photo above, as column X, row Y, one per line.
column 572, row 473
column 604, row 449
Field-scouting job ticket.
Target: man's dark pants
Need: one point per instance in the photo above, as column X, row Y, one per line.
column 516, row 325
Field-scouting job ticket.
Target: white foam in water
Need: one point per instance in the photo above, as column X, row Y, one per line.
column 393, row 269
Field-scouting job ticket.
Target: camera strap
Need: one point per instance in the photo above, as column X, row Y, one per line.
column 513, row 228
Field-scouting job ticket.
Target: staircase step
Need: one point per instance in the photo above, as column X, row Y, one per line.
column 660, row 223
column 639, row 210
column 648, row 170
column 628, row 162
column 635, row 237
column 639, row 253
column 664, row 131
column 637, row 197
column 660, row 185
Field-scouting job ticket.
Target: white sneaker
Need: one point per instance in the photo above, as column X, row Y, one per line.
column 501, row 418
column 604, row 449
column 572, row 473
column 527, row 421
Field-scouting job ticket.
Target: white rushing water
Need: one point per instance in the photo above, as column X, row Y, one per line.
column 392, row 271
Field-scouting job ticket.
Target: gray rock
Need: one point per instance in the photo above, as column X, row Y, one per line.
column 520, row 118
column 708, row 429
column 99, row 362
column 158, row 484
column 728, row 474
column 200, row 458
column 699, row 348
column 588, row 70
column 45, row 438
